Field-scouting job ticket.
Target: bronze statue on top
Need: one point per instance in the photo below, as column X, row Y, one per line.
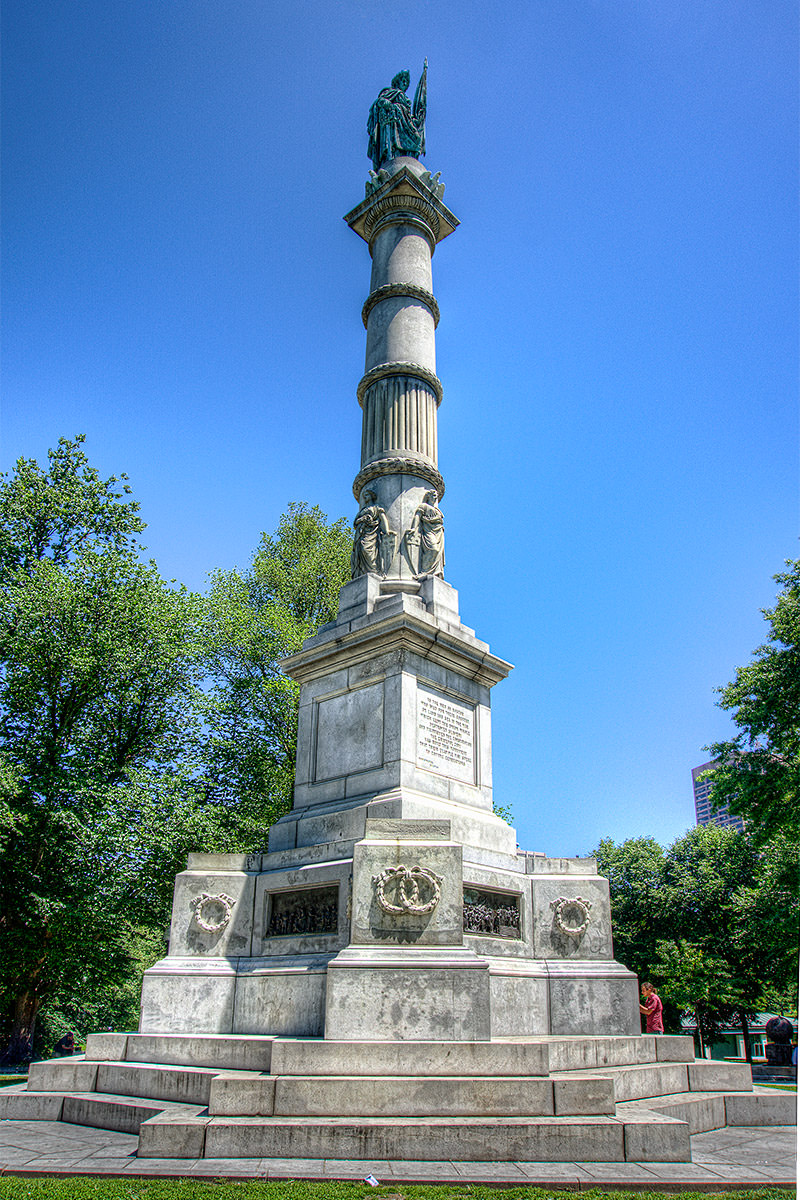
column 395, row 128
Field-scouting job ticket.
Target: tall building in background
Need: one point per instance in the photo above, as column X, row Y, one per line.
column 702, row 802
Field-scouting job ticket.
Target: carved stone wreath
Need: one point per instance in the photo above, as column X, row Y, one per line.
column 566, row 906
column 407, row 890
column 397, row 466
column 204, row 906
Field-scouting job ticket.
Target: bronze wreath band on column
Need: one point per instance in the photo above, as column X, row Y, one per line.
column 389, row 290
column 384, row 370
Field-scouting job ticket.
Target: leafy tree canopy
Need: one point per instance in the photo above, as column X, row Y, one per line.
column 58, row 513
column 137, row 721
column 99, row 661
column 256, row 618
column 758, row 775
column 713, row 919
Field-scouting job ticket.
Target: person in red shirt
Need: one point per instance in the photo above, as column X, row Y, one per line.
column 652, row 1008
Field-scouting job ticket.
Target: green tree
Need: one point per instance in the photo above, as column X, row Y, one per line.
column 58, row 513
column 714, row 913
column 695, row 983
column 635, row 872
column 255, row 619
column 137, row 722
column 99, row 660
column 758, row 771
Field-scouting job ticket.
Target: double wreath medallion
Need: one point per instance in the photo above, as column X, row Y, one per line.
column 411, row 890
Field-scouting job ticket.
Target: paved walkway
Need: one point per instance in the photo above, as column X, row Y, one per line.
column 722, row 1159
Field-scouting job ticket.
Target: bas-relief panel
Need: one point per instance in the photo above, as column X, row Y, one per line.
column 349, row 732
column 445, row 735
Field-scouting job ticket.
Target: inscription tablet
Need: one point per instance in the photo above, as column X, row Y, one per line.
column 445, row 735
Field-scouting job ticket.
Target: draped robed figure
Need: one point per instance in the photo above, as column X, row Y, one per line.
column 394, row 127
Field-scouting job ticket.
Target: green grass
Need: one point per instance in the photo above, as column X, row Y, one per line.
column 82, row 1188
column 4, row 1079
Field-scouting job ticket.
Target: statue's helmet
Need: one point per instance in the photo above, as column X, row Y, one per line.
column 401, row 80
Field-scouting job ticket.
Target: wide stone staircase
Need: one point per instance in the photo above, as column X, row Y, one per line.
column 553, row 1099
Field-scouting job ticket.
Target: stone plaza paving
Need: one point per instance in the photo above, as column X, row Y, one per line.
column 721, row 1160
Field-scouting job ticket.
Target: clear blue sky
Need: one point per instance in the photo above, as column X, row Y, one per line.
column 617, row 345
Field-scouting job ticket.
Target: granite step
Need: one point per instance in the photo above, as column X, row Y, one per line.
column 395, row 1095
column 125, row 1114
column 226, row 1052
column 179, row 1084
column 304, row 1056
column 639, row 1082
column 641, row 1138
column 644, row 1080
column 310, row 1056
column 703, row 1111
column 586, row 1053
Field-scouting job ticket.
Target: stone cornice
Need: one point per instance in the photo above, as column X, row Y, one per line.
column 402, row 196
column 396, row 632
column 390, row 290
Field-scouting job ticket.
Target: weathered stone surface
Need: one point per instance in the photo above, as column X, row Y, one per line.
column 583, row 1097
column 761, row 1108
column 592, row 998
column 700, row 1110
column 710, row 1076
column 30, row 1106
column 656, row 1139
column 122, row 1113
column 231, row 1052
column 171, row 1135
column 62, row 1075
column 573, row 893
column 181, row 995
column 106, row 1047
column 187, row 1085
column 282, row 996
column 398, row 1096
column 519, row 996
column 648, row 1079
column 228, row 909
column 387, row 829
column 541, row 864
column 415, row 995
column 409, row 1058
column 624, row 1051
column 542, row 1139
column 423, row 879
column 674, row 1048
column 237, row 1095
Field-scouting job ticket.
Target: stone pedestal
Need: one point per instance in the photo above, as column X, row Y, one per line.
column 394, row 720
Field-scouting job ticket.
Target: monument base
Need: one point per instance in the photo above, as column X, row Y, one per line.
column 398, row 936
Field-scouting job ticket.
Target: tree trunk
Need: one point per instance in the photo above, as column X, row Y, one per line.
column 20, row 1045
column 700, row 1033
column 748, row 1054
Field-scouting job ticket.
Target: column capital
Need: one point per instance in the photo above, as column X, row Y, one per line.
column 404, row 196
